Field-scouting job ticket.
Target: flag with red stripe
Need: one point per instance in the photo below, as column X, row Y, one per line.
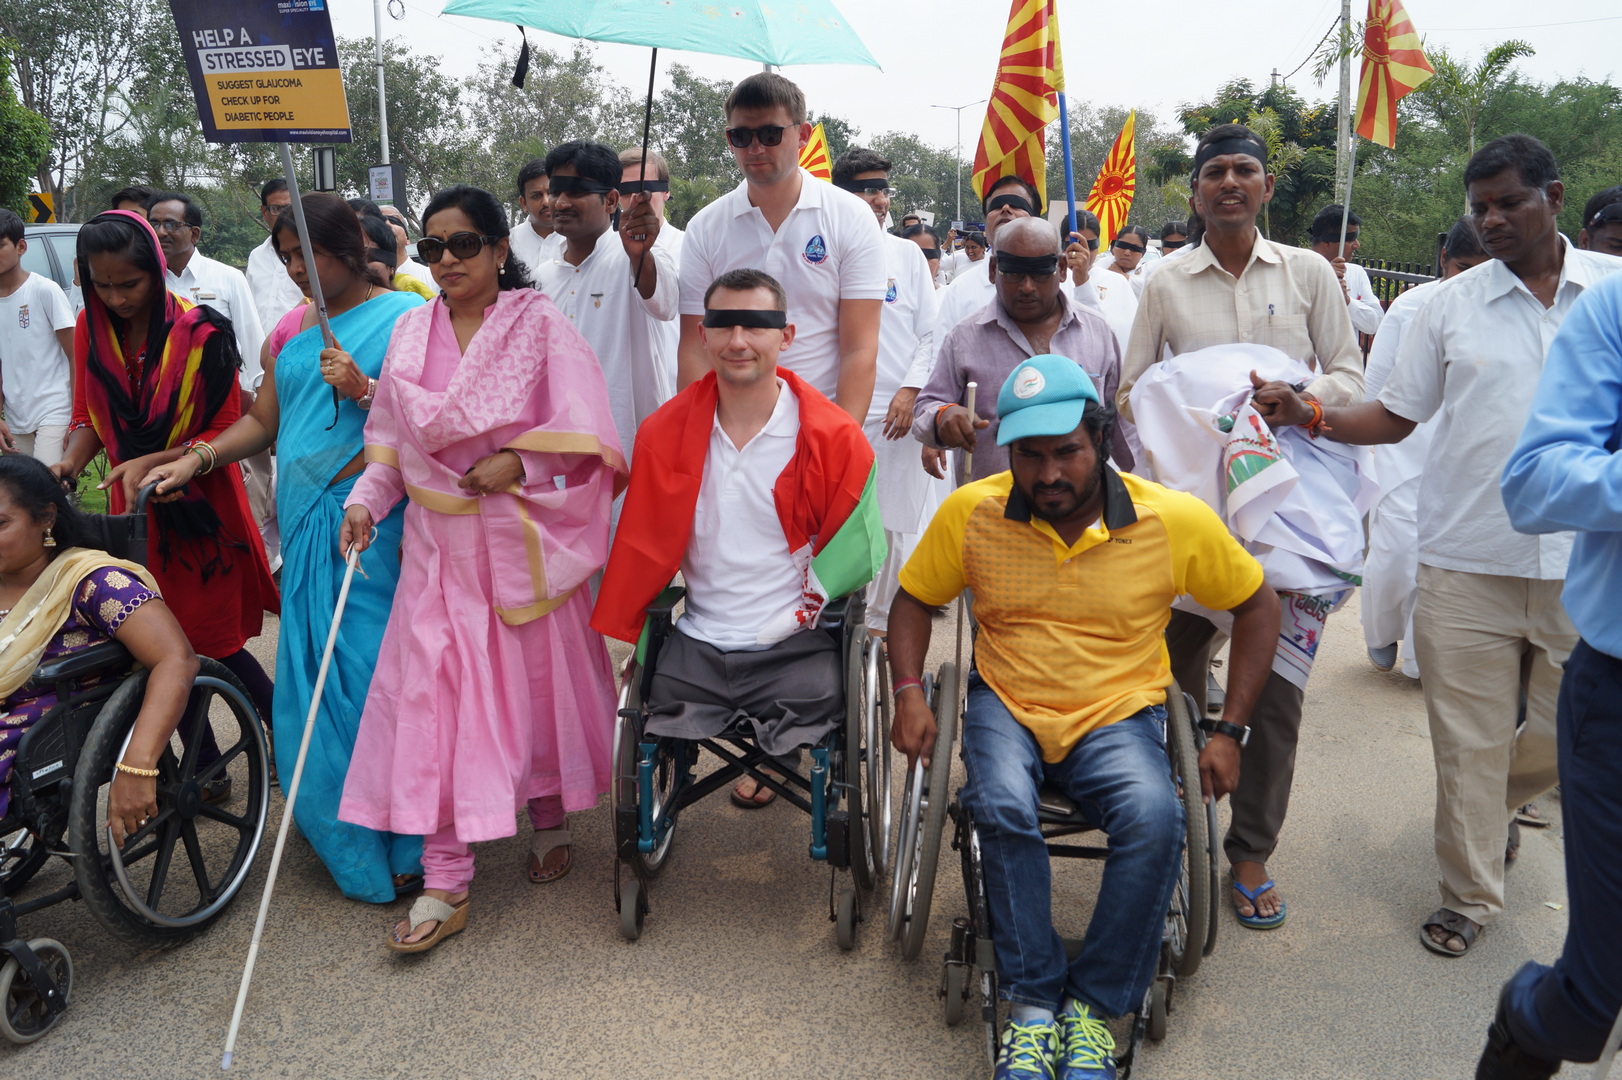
column 1393, row 65
column 1024, row 98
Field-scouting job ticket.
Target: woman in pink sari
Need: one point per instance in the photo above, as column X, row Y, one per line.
column 491, row 691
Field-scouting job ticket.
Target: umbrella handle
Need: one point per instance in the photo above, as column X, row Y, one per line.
column 353, row 562
column 647, row 124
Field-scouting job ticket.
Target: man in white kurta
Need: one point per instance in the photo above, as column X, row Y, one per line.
column 907, row 495
column 274, row 293
column 533, row 241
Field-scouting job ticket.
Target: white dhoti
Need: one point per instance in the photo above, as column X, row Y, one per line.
column 1390, row 573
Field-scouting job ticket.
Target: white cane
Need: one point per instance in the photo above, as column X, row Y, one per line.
column 962, row 604
column 353, row 561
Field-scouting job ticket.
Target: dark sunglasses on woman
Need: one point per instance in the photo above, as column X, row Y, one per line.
column 464, row 245
column 768, row 134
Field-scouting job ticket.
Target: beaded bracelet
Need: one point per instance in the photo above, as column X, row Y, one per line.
column 133, row 771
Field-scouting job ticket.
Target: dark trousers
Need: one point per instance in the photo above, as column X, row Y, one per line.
column 1564, row 1012
column 1267, row 765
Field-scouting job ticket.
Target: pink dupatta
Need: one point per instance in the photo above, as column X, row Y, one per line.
column 528, row 381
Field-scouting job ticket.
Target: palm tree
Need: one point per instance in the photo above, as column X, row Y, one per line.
column 1282, row 156
column 1468, row 90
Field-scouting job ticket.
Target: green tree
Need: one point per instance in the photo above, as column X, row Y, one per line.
column 25, row 139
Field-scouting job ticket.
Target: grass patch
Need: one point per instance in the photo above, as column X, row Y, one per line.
column 91, row 500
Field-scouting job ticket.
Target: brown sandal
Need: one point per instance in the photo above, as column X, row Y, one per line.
column 1456, row 925
column 452, row 919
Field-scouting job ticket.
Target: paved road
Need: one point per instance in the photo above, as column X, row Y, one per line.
column 737, row 974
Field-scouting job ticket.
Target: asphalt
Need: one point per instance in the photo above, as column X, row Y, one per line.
column 737, row 973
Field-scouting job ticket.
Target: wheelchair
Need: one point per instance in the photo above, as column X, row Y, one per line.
column 846, row 790
column 1189, row 932
column 178, row 873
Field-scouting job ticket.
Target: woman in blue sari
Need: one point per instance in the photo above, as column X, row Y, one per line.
column 313, row 406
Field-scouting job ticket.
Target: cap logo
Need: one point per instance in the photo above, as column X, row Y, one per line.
column 1028, row 383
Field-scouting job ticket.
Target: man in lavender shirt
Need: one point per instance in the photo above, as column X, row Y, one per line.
column 1029, row 316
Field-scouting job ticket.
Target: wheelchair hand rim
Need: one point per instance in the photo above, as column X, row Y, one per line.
column 906, row 851
column 228, row 893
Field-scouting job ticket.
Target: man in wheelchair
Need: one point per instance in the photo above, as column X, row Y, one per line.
column 760, row 491
column 1073, row 568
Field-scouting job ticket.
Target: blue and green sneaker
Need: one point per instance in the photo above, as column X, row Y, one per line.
column 1086, row 1047
column 1028, row 1050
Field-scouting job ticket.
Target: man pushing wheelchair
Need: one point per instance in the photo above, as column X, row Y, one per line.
column 1073, row 569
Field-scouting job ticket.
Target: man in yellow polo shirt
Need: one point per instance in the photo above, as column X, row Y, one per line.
column 1073, row 568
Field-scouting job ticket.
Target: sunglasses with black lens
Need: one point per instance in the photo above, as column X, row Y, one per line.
column 464, row 245
column 768, row 134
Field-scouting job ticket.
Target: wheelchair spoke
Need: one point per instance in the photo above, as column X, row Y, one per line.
column 214, row 813
column 217, row 767
column 194, row 853
column 134, row 853
column 160, row 865
column 191, row 728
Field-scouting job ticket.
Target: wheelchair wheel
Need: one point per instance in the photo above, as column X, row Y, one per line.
column 1189, row 920
column 631, row 913
column 924, row 816
column 150, row 894
column 867, row 759
column 24, row 1016
column 21, row 855
column 845, row 920
column 622, row 793
column 1158, row 1020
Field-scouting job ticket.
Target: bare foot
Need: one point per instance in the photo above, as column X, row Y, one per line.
column 406, row 934
column 750, row 795
column 1252, row 875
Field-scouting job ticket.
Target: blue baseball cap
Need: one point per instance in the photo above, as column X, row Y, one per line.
column 1045, row 395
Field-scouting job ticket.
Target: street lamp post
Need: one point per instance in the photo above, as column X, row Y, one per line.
column 959, row 152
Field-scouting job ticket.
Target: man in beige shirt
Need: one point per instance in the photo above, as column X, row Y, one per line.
column 1238, row 286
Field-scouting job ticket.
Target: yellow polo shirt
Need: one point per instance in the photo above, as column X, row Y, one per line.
column 1072, row 635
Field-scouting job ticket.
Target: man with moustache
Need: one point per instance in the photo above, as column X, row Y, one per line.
column 1489, row 627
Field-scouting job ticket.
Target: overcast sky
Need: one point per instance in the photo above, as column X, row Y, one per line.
column 1154, row 54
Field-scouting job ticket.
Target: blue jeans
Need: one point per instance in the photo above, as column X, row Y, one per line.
column 1120, row 776
column 1564, row 1012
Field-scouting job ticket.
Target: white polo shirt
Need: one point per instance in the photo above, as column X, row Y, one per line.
column 632, row 337
column 825, row 251
column 1474, row 353
column 37, row 374
column 741, row 581
column 225, row 289
column 274, row 293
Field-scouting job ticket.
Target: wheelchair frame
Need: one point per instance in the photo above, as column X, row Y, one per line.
column 62, row 763
column 846, row 791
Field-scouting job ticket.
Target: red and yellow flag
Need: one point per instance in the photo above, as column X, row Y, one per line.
column 814, row 156
column 1024, row 98
column 1117, row 181
column 1393, row 65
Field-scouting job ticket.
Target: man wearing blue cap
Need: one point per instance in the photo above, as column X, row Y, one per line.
column 1074, row 567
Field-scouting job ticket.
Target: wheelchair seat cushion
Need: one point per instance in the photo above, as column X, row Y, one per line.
column 787, row 696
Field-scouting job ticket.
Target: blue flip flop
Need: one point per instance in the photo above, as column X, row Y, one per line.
column 1259, row 922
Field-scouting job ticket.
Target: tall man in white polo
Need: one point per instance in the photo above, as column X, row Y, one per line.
column 815, row 239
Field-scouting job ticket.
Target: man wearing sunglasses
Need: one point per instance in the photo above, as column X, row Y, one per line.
column 815, row 239
column 1361, row 303
column 629, row 324
column 906, row 355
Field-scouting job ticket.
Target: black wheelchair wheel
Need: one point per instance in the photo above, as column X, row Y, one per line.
column 622, row 792
column 1190, row 914
column 917, row 889
column 24, row 1017
column 861, row 771
column 178, row 873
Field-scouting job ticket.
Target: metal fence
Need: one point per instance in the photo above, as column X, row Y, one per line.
column 1391, row 279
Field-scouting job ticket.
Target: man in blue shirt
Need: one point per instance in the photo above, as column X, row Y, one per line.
column 1566, row 475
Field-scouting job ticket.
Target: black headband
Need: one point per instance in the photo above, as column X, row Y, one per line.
column 1610, row 213
column 576, row 185
column 1041, row 265
column 751, row 318
column 1236, row 145
column 872, row 183
column 1010, row 199
column 632, row 187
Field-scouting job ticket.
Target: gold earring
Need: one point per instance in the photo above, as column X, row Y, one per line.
column 50, row 541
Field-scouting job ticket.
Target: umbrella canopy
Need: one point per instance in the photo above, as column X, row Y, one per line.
column 780, row 33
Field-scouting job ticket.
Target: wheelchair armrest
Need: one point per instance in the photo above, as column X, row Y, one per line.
column 109, row 654
column 656, row 628
column 842, row 612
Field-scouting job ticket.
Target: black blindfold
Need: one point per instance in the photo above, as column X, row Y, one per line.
column 577, row 185
column 751, row 319
column 1034, row 265
column 1018, row 202
column 632, row 187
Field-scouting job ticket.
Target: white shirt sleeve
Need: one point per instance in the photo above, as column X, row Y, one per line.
column 1415, row 388
column 1364, row 307
column 666, row 299
column 924, row 325
column 58, row 312
column 245, row 321
column 696, row 273
column 862, row 273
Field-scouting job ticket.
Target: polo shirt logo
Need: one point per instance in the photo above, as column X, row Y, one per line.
column 816, row 250
column 889, row 292
column 22, row 315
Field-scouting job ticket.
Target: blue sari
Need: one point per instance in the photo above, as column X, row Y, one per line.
column 310, row 510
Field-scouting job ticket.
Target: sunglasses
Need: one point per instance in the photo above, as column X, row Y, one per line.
column 1128, row 247
column 768, row 134
column 464, row 245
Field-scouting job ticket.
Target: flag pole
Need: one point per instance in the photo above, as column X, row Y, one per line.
column 1069, row 171
column 1346, row 207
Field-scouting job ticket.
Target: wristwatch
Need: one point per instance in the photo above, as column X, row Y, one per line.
column 1240, row 735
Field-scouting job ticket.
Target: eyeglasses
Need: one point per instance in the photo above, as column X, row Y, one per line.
column 464, row 245
column 873, row 186
column 768, row 134
column 169, row 226
column 1129, row 247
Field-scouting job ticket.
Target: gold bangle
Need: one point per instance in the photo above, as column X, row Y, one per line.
column 133, row 771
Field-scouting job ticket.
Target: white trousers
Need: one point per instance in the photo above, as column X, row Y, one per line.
column 1390, row 572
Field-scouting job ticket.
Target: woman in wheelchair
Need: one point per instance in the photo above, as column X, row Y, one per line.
column 59, row 597
column 1073, row 568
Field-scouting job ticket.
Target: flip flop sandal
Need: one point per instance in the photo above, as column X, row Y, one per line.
column 1463, row 927
column 1530, row 816
column 752, row 802
column 545, row 840
column 451, row 919
column 1259, row 922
